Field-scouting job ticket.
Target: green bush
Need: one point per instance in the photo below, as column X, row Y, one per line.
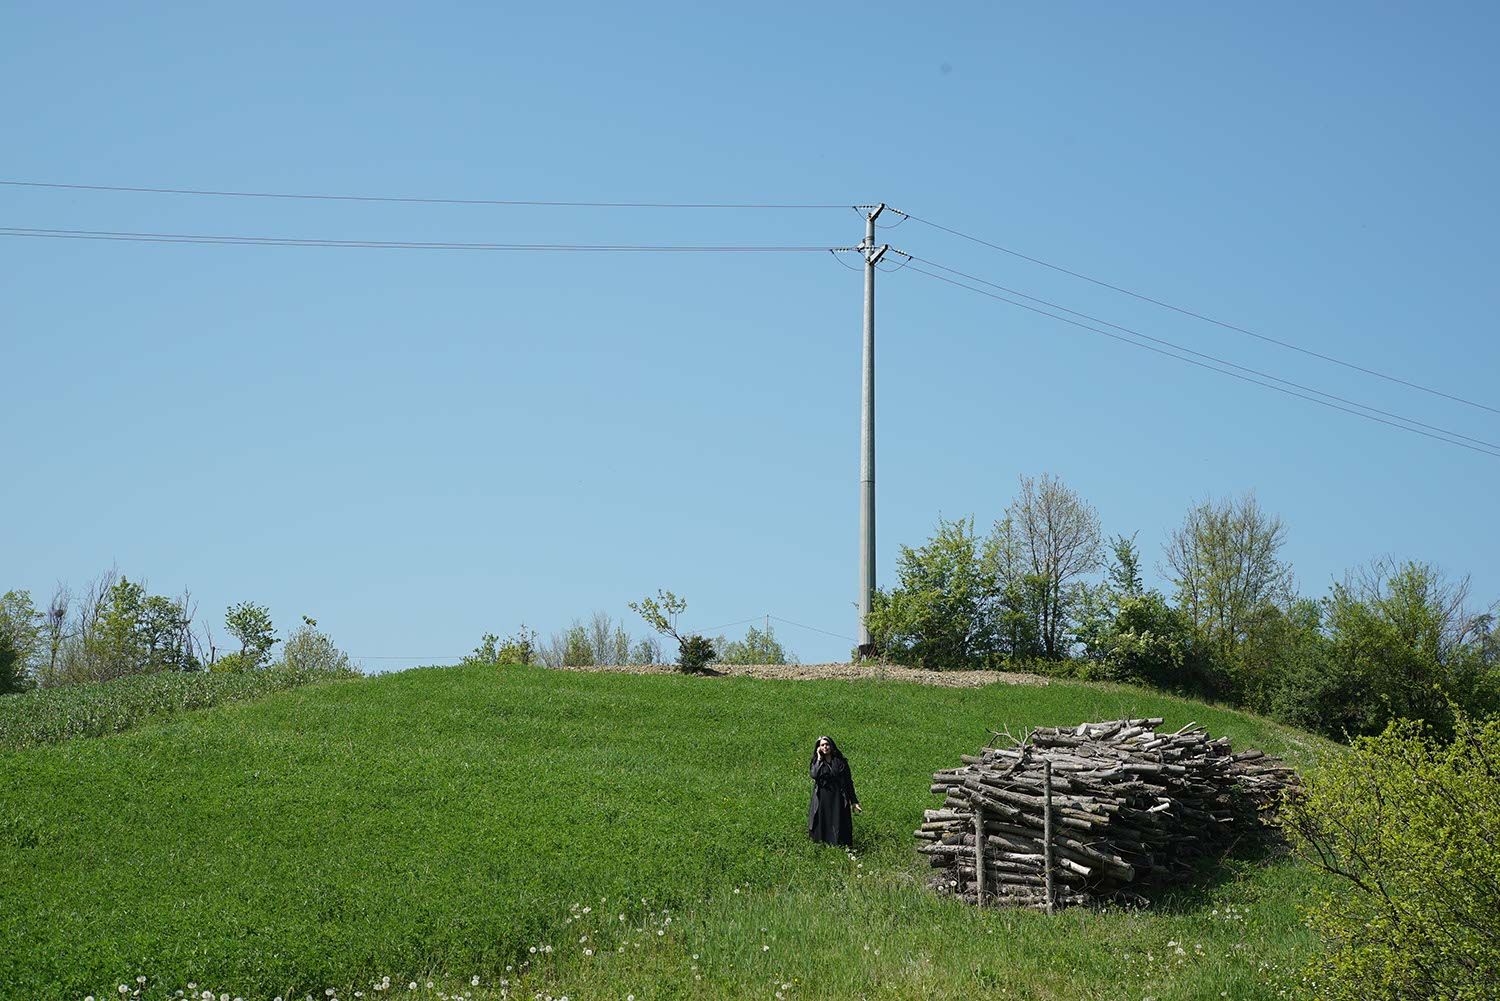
column 756, row 648
column 233, row 663
column 1150, row 642
column 694, row 653
column 307, row 649
column 1409, row 826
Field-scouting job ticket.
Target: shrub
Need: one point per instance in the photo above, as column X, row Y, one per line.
column 694, row 653
column 233, row 663
column 756, row 648
column 307, row 649
column 518, row 648
column 1151, row 642
column 1408, row 826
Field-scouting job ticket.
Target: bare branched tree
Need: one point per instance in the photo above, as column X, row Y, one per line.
column 1058, row 532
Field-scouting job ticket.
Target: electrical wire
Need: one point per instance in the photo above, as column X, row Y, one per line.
column 1206, row 319
column 815, row 629
column 728, row 624
column 277, row 241
column 418, row 201
column 1209, row 357
column 1190, row 361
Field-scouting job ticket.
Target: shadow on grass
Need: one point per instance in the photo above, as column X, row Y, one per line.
column 1204, row 886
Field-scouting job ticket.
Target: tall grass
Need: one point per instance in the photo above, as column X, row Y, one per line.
column 443, row 822
column 49, row 715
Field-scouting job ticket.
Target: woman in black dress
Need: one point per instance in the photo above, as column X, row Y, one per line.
column 828, row 816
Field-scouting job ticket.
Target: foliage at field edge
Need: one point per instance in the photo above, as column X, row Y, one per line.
column 49, row 715
column 1043, row 591
column 1410, row 826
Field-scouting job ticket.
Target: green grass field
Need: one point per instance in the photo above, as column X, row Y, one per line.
column 440, row 824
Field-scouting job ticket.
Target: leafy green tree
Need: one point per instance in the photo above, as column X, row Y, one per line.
column 758, row 647
column 20, row 640
column 117, row 643
column 939, row 615
column 251, row 625
column 1405, row 646
column 12, row 676
column 1099, row 604
column 1225, row 561
column 1407, row 826
column 1014, row 610
column 1283, row 657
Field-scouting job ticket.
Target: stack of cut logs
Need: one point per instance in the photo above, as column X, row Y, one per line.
column 1093, row 813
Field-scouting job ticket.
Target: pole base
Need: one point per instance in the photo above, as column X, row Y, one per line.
column 865, row 651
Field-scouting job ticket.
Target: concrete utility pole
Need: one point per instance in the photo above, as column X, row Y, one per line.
column 872, row 254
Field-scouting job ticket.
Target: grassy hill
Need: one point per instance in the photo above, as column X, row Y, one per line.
column 441, row 824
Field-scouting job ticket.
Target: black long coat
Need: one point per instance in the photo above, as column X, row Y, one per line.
column 828, row 815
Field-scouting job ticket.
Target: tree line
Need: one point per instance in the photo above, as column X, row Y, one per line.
column 604, row 642
column 114, row 627
column 1043, row 589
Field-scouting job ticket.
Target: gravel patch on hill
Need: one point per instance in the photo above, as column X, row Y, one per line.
column 840, row 672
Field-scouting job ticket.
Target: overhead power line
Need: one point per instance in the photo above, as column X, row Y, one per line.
column 281, row 241
column 815, row 629
column 1200, row 354
column 1200, row 316
column 1211, row 368
column 416, row 201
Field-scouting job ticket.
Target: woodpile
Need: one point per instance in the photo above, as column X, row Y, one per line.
column 1098, row 812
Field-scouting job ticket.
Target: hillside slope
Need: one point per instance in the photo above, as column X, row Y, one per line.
column 447, row 820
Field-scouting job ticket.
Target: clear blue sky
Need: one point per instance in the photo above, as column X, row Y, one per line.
column 417, row 447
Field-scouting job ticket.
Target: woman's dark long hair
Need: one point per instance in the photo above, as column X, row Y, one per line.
column 835, row 756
